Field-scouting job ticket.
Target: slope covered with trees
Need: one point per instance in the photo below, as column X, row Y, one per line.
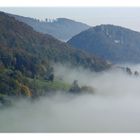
column 26, row 58
column 61, row 28
column 113, row 43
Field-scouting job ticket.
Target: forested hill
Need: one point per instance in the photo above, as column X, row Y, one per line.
column 18, row 37
column 114, row 43
column 61, row 28
column 26, row 54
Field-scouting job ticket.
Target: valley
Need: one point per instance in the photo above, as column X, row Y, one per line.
column 61, row 75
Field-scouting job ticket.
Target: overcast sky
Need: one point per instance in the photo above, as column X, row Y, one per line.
column 127, row 17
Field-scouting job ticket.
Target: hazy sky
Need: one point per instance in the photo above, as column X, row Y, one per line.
column 127, row 17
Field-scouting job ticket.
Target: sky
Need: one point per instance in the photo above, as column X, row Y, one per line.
column 122, row 16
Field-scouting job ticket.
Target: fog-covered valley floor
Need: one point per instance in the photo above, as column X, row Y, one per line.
column 114, row 106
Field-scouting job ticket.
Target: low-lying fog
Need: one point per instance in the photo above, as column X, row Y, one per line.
column 114, row 107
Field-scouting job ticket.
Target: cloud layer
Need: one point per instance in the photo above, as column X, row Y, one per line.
column 114, row 107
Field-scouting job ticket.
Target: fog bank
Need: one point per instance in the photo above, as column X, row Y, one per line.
column 114, row 107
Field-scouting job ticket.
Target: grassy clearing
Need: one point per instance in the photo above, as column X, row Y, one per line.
column 48, row 85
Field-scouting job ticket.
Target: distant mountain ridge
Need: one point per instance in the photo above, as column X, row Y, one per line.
column 110, row 42
column 61, row 28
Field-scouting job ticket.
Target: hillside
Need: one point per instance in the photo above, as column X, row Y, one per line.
column 113, row 43
column 26, row 58
column 19, row 37
column 61, row 28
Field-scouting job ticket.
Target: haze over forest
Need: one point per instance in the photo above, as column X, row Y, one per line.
column 67, row 75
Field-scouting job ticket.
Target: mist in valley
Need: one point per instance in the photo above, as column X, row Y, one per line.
column 113, row 107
